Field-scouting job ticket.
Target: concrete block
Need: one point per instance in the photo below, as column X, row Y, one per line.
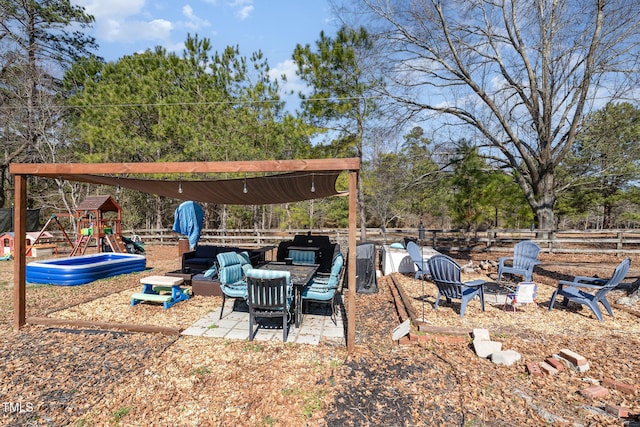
column 485, row 349
column 506, row 357
column 481, row 335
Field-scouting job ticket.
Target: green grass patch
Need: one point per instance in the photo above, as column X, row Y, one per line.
column 120, row 413
column 254, row 347
column 202, row 370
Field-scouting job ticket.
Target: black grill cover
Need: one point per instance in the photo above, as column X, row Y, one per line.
column 366, row 281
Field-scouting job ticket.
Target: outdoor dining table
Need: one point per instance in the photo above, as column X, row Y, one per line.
column 301, row 275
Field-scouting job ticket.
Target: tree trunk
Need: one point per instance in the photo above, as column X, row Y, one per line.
column 362, row 212
column 607, row 220
column 256, row 219
column 543, row 198
column 223, row 217
column 545, row 217
column 3, row 174
column 158, row 214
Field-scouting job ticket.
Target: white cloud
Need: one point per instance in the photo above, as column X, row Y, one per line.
column 194, row 22
column 293, row 83
column 157, row 29
column 244, row 12
column 119, row 21
column 112, row 9
column 245, row 7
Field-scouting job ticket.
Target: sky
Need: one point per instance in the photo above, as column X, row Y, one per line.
column 124, row 27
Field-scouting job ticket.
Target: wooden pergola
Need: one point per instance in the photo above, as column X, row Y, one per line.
column 303, row 174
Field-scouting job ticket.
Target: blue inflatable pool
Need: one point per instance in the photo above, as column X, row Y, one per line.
column 83, row 269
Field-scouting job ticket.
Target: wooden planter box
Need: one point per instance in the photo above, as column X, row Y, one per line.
column 205, row 286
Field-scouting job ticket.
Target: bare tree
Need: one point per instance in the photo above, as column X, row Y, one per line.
column 37, row 42
column 520, row 75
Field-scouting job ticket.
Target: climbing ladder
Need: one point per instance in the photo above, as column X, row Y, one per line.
column 81, row 245
column 114, row 243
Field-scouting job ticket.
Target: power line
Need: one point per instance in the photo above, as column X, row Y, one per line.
column 183, row 104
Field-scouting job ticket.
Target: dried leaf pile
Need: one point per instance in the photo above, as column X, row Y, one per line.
column 55, row 376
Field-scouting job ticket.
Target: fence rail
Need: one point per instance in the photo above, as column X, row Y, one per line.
column 616, row 242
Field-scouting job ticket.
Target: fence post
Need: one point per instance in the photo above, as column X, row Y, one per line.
column 551, row 236
column 619, row 244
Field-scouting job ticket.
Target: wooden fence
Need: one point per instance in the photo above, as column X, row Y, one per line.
column 615, row 242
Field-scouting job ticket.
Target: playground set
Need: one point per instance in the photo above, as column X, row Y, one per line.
column 99, row 224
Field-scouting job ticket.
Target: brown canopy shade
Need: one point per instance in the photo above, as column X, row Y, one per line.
column 269, row 189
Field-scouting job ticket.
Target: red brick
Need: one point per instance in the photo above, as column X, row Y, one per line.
column 573, row 357
column 548, row 369
column 534, row 369
column 620, row 386
column 594, row 391
column 555, row 363
column 413, row 337
column 618, row 411
column 404, row 340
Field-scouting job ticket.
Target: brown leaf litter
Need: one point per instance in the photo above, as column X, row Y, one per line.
column 62, row 376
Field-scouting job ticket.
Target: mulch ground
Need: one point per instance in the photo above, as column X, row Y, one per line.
column 88, row 377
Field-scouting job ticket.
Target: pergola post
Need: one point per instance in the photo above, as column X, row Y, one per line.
column 19, row 251
column 351, row 298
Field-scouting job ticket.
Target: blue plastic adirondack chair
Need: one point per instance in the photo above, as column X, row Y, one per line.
column 445, row 273
column 323, row 289
column 422, row 269
column 269, row 294
column 231, row 276
column 525, row 257
column 571, row 291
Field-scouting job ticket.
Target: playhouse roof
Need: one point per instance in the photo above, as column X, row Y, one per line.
column 31, row 235
column 99, row 203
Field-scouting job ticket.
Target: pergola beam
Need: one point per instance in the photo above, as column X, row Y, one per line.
column 259, row 166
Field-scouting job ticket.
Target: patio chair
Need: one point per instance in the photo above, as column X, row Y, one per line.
column 301, row 256
column 231, row 276
column 445, row 273
column 245, row 261
column 323, row 288
column 269, row 294
column 571, row 291
column 525, row 257
column 524, row 293
column 419, row 261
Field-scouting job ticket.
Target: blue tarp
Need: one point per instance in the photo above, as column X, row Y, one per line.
column 188, row 221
